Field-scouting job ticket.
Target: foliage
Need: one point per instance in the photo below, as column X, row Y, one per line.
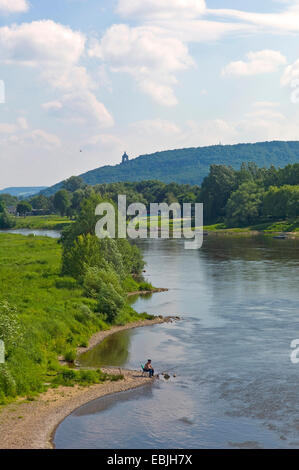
column 282, row 203
column 70, row 377
column 73, row 183
column 23, row 207
column 104, row 285
column 244, row 205
column 6, row 220
column 62, row 201
column 10, row 329
column 8, row 200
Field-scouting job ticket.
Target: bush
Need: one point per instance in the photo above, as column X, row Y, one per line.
column 7, row 382
column 145, row 286
column 6, row 221
column 70, row 377
column 10, row 329
column 70, row 355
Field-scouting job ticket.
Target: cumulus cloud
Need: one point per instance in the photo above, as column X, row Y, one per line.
column 257, row 63
column 145, row 53
column 14, row 6
column 55, row 51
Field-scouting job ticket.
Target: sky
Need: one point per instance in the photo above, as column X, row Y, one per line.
column 82, row 81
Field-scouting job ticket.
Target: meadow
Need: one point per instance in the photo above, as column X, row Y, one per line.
column 53, row 315
column 46, row 222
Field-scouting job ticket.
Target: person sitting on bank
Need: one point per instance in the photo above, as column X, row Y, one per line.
column 149, row 368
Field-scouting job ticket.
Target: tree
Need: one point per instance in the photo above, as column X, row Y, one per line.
column 62, row 201
column 281, row 203
column 244, row 205
column 40, row 202
column 6, row 221
column 73, row 183
column 8, row 200
column 216, row 190
column 103, row 284
column 24, row 207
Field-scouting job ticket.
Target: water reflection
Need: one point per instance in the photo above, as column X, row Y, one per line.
column 113, row 351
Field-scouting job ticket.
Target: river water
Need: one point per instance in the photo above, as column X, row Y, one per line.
column 235, row 385
column 37, row 233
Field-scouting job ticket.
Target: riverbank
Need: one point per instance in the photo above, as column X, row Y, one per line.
column 31, row 424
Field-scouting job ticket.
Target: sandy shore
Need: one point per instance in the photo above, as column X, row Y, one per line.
column 31, row 425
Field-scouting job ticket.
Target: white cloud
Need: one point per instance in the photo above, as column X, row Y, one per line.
column 52, row 105
column 147, row 54
column 260, row 62
column 161, row 9
column 265, row 104
column 6, row 128
column 55, row 51
column 42, row 138
column 14, row 6
column 285, row 21
column 41, row 43
column 22, row 122
column 291, row 74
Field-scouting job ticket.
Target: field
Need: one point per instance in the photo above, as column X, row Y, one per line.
column 46, row 222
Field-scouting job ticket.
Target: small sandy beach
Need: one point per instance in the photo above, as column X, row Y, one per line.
column 31, row 425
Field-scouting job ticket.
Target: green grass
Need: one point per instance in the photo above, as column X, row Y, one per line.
column 55, row 316
column 47, row 222
column 266, row 227
column 278, row 226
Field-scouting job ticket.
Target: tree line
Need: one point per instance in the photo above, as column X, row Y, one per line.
column 237, row 197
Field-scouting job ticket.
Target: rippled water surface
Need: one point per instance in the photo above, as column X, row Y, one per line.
column 35, row 232
column 235, row 385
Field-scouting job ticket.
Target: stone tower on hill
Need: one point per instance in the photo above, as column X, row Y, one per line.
column 125, row 158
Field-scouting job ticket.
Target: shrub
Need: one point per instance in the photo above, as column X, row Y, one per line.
column 145, row 286
column 10, row 329
column 70, row 355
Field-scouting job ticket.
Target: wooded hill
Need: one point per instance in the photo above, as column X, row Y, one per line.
column 191, row 165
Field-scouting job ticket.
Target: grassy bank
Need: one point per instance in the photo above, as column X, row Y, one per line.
column 266, row 227
column 46, row 222
column 55, row 317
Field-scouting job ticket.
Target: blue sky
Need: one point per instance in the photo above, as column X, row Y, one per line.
column 142, row 76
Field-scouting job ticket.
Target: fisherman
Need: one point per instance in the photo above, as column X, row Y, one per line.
column 149, row 368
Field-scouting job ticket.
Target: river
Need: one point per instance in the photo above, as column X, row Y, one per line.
column 35, row 232
column 235, row 385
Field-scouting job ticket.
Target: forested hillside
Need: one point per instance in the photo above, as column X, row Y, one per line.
column 191, row 165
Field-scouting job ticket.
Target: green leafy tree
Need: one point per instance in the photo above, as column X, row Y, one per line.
column 216, row 190
column 282, row 202
column 24, row 207
column 73, row 183
column 245, row 204
column 40, row 202
column 104, row 285
column 62, row 201
column 6, row 220
column 8, row 200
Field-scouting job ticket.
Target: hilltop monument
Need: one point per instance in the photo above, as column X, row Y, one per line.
column 125, row 158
